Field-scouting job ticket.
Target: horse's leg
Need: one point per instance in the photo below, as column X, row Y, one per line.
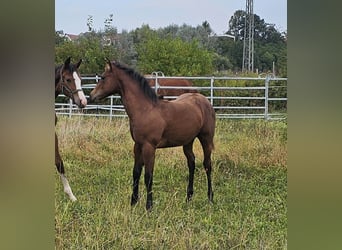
column 187, row 149
column 61, row 171
column 207, row 146
column 148, row 153
column 138, row 164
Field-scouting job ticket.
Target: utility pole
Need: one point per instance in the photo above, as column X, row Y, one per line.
column 248, row 41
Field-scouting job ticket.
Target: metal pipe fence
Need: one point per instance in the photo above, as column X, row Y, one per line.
column 259, row 98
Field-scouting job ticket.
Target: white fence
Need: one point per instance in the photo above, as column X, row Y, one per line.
column 261, row 97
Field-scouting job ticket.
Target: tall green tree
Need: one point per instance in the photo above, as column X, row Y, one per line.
column 174, row 57
column 143, row 34
column 263, row 32
column 90, row 48
column 269, row 44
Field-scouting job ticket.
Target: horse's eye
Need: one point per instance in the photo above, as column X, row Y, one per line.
column 68, row 80
column 102, row 77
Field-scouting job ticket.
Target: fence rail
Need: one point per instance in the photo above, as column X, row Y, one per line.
column 229, row 101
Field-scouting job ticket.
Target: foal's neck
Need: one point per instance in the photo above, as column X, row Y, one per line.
column 133, row 98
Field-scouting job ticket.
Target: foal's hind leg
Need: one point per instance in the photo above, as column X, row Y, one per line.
column 61, row 171
column 207, row 146
column 187, row 149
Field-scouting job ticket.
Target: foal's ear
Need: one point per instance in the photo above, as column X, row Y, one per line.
column 79, row 63
column 108, row 66
column 67, row 61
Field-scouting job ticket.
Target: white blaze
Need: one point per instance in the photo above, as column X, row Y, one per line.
column 78, row 86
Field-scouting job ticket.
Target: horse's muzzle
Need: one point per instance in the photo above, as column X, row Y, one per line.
column 93, row 98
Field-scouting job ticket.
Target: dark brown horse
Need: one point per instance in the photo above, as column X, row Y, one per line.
column 166, row 82
column 156, row 123
column 67, row 82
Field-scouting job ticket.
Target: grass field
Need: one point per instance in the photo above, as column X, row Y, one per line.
column 249, row 184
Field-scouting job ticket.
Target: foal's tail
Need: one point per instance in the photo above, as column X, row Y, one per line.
column 212, row 145
column 211, row 123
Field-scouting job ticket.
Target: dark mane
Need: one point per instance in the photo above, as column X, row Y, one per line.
column 142, row 81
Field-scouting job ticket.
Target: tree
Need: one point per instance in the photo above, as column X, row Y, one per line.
column 109, row 23
column 60, row 37
column 227, row 48
column 90, row 23
column 88, row 47
column 269, row 43
column 143, row 34
column 126, row 49
column 207, row 27
column 93, row 47
column 263, row 32
column 173, row 57
column 236, row 24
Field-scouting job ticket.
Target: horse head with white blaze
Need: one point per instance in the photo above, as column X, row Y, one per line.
column 68, row 82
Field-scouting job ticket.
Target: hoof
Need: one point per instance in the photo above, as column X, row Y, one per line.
column 189, row 195
column 149, row 206
column 73, row 198
column 134, row 200
column 189, row 198
column 211, row 198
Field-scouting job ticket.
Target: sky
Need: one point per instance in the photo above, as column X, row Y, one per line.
column 71, row 16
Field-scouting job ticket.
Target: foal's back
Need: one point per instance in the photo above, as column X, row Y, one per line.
column 199, row 103
column 187, row 117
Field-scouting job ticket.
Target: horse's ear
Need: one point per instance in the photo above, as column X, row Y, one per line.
column 107, row 60
column 67, row 61
column 108, row 66
column 79, row 63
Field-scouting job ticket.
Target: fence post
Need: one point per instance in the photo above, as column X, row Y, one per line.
column 267, row 79
column 156, row 85
column 111, row 108
column 212, row 90
column 70, row 107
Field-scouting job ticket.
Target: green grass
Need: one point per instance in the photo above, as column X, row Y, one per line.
column 249, row 183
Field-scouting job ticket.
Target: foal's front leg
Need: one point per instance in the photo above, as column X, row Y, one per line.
column 138, row 164
column 60, row 168
column 148, row 153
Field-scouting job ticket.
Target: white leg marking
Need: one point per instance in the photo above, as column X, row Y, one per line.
column 78, row 86
column 67, row 188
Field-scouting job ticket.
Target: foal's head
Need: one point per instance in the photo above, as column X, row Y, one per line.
column 108, row 85
column 115, row 80
column 68, row 82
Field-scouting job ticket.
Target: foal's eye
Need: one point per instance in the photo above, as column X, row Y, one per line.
column 68, row 80
column 102, row 77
